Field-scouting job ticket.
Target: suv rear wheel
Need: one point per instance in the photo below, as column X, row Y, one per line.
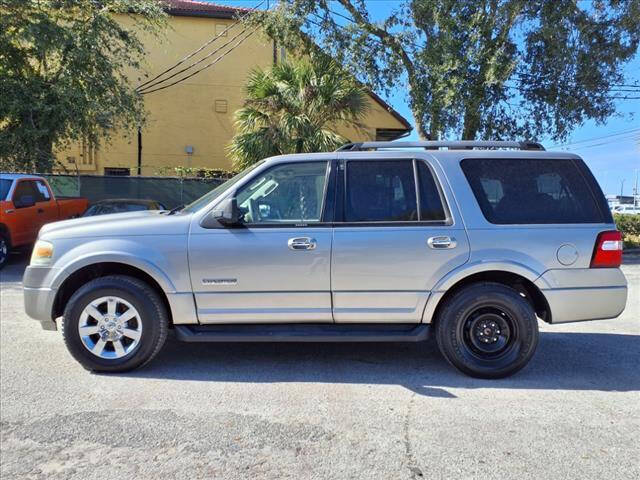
column 114, row 324
column 487, row 330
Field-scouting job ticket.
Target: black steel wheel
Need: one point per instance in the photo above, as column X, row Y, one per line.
column 487, row 330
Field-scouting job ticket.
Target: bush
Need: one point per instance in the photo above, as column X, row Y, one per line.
column 629, row 225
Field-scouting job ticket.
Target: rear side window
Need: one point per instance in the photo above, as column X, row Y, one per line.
column 516, row 191
column 388, row 191
column 42, row 192
column 381, row 191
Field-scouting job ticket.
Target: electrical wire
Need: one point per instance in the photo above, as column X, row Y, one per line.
column 238, row 43
column 205, row 45
column 154, row 84
column 631, row 132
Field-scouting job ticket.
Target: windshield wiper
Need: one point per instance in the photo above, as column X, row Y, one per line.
column 175, row 209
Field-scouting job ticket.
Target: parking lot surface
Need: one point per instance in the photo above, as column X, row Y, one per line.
column 375, row 411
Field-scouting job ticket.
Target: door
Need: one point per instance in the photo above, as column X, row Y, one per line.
column 26, row 226
column 395, row 238
column 275, row 266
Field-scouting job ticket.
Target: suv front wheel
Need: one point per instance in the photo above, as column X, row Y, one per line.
column 114, row 324
column 487, row 330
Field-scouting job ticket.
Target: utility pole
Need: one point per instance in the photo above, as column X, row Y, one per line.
column 139, row 151
column 622, row 187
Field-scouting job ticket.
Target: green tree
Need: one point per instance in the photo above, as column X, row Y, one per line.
column 63, row 74
column 294, row 107
column 478, row 68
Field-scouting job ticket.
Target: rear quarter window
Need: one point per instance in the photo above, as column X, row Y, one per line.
column 535, row 191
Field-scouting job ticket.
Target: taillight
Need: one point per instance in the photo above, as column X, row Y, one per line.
column 608, row 250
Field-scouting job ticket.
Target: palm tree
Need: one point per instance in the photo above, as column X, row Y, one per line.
column 295, row 107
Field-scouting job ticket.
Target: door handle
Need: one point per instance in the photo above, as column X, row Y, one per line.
column 440, row 243
column 302, row 243
column 40, row 210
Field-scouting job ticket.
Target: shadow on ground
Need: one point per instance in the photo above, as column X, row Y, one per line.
column 564, row 361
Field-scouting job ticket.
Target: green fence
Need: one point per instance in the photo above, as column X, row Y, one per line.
column 170, row 191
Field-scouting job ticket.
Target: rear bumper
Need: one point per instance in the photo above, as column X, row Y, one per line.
column 576, row 295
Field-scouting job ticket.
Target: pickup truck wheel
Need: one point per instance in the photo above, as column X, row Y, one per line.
column 114, row 324
column 4, row 250
column 487, row 330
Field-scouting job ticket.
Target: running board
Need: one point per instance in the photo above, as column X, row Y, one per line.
column 301, row 332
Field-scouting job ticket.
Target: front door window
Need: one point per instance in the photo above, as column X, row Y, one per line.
column 291, row 193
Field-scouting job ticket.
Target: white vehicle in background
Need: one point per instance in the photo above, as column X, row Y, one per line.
column 626, row 210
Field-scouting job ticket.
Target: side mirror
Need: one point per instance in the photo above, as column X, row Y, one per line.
column 226, row 214
column 24, row 201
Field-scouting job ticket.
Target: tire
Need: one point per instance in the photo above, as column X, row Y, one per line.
column 487, row 330
column 5, row 247
column 140, row 337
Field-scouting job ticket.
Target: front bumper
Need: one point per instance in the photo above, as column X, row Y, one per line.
column 39, row 295
column 38, row 303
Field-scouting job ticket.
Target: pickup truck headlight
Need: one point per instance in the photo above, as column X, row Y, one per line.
column 42, row 253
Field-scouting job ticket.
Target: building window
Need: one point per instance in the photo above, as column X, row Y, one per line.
column 221, row 106
column 117, row 171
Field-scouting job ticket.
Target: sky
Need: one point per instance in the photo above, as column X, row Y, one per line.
column 611, row 150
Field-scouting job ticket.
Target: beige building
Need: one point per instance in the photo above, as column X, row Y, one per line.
column 191, row 123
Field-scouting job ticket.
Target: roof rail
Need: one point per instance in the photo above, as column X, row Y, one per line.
column 437, row 144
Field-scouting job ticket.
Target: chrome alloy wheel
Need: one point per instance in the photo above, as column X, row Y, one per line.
column 110, row 327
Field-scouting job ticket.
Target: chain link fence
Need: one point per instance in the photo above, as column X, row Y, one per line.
column 170, row 191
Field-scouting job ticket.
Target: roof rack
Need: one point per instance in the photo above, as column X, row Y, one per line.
column 435, row 145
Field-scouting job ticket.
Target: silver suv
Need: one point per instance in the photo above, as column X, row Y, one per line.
column 471, row 241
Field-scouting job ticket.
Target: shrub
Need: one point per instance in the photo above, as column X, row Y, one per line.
column 629, row 225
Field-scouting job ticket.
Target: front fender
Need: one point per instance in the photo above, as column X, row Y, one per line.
column 165, row 263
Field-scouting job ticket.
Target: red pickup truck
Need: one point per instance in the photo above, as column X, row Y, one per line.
column 26, row 204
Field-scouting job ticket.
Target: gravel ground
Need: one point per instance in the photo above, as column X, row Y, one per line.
column 383, row 411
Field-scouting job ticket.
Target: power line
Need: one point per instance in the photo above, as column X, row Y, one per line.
column 588, row 140
column 203, row 68
column 206, row 44
column 141, row 90
column 608, row 142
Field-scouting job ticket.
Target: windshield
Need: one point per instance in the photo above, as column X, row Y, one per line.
column 5, row 185
column 216, row 192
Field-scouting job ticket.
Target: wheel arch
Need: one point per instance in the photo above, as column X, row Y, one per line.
column 524, row 285
column 91, row 271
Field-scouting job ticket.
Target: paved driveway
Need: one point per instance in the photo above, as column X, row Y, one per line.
column 374, row 411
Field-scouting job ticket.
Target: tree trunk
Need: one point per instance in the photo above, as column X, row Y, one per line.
column 471, row 124
column 43, row 156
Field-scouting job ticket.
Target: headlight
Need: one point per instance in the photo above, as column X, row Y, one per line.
column 42, row 253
